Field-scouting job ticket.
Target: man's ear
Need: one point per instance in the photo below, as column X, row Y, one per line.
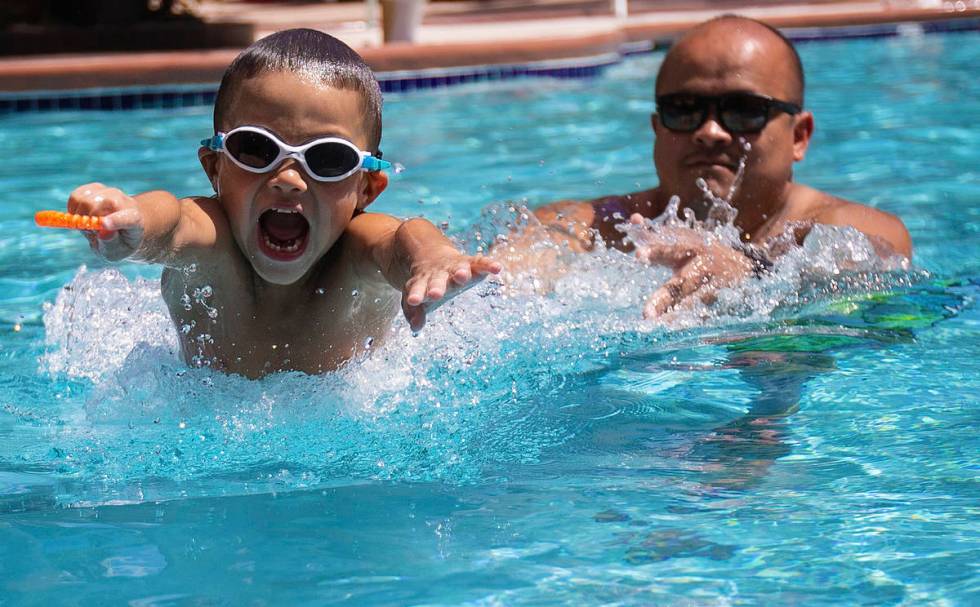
column 802, row 132
column 372, row 184
column 209, row 161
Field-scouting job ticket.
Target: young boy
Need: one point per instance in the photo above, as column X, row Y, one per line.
column 282, row 269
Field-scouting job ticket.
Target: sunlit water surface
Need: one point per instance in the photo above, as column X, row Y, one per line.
column 812, row 440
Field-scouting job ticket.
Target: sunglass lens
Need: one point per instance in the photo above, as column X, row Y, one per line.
column 744, row 113
column 681, row 113
column 331, row 159
column 252, row 149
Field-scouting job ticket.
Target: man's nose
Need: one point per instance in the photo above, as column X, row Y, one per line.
column 711, row 133
column 288, row 177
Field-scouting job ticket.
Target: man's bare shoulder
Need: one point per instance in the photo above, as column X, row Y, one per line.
column 599, row 216
column 886, row 231
column 577, row 211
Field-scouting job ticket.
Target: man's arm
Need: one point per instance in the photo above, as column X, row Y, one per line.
column 551, row 231
column 417, row 259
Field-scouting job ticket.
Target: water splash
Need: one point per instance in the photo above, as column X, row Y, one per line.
column 476, row 391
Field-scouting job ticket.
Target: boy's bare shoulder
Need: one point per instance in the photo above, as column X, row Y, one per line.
column 206, row 246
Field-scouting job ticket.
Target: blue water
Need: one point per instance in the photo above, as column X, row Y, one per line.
column 811, row 441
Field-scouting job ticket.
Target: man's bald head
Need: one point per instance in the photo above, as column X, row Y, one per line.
column 733, row 34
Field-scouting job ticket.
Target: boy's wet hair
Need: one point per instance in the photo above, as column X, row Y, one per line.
column 309, row 52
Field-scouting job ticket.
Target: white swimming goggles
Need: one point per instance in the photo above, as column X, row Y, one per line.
column 327, row 159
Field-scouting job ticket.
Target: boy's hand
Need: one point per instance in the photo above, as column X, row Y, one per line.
column 439, row 277
column 122, row 221
column 700, row 267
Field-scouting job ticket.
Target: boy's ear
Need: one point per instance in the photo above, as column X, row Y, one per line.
column 209, row 161
column 373, row 183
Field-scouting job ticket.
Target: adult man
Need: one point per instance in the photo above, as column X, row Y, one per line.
column 730, row 91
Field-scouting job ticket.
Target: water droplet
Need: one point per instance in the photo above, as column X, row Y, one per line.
column 368, row 342
column 321, row 291
column 355, row 293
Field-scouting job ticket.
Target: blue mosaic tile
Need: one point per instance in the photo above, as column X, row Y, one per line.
column 951, row 25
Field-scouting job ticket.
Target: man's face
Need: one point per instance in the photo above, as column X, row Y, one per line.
column 719, row 60
column 284, row 221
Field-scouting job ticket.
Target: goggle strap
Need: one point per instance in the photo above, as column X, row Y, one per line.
column 371, row 163
column 214, row 143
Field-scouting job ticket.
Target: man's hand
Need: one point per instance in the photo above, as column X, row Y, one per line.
column 122, row 222
column 701, row 266
column 438, row 277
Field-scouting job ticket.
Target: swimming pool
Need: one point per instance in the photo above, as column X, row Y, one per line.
column 521, row 450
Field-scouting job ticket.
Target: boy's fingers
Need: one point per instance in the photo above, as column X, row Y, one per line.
column 462, row 274
column 415, row 291
column 485, row 265
column 122, row 220
column 81, row 198
column 437, row 286
column 415, row 315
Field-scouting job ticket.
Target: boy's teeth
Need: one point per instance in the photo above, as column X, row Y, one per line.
column 292, row 247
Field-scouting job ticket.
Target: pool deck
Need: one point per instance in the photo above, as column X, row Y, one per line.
column 453, row 34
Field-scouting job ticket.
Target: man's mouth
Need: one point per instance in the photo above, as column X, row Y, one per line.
column 712, row 163
column 283, row 234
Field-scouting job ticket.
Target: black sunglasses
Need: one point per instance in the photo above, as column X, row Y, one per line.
column 738, row 113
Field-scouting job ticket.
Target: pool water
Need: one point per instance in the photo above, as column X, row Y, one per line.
column 812, row 441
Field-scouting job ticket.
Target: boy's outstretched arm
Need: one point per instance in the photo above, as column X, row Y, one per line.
column 416, row 258
column 153, row 226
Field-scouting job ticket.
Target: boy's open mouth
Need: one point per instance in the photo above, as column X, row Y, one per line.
column 283, row 234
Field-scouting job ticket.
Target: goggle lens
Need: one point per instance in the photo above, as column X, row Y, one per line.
column 331, row 159
column 252, row 149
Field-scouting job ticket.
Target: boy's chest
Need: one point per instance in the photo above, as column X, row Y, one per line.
column 311, row 332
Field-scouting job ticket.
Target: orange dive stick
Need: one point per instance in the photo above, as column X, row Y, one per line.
column 57, row 219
